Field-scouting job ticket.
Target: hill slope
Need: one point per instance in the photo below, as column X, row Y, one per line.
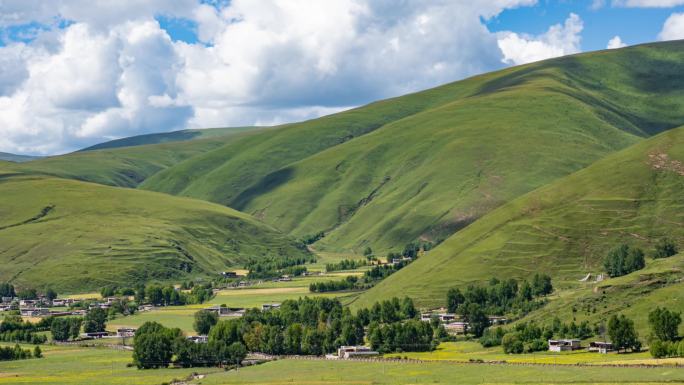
column 425, row 165
column 168, row 137
column 129, row 166
column 16, row 158
column 635, row 196
column 78, row 236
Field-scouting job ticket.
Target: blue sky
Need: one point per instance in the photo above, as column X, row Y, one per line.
column 76, row 72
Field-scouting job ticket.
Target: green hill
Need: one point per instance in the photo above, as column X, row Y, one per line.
column 167, row 137
column 77, row 236
column 635, row 196
column 425, row 165
column 129, row 166
column 16, row 158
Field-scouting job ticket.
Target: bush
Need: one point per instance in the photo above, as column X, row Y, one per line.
column 665, row 248
column 512, row 344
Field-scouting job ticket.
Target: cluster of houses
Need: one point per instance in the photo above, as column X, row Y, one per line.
column 38, row 307
column 563, row 345
column 453, row 323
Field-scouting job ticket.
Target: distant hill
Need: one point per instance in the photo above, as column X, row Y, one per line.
column 425, row 165
column 76, row 236
column 167, row 137
column 129, row 166
column 16, row 158
column 635, row 196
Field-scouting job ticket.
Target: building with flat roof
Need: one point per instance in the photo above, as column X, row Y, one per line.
column 355, row 351
column 564, row 345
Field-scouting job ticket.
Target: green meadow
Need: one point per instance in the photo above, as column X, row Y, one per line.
column 565, row 229
column 77, row 236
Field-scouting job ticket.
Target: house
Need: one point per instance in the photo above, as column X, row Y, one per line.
column 564, row 345
column 58, row 302
column 28, row 302
column 426, row 317
column 497, row 320
column 7, row 299
column 601, row 347
column 229, row 274
column 447, row 317
column 34, row 312
column 92, row 335
column 198, row 339
column 145, row 307
column 285, row 278
column 457, row 327
column 111, row 300
column 396, row 261
column 125, row 332
column 224, row 311
column 355, row 351
column 5, row 308
column 59, row 313
column 270, row 306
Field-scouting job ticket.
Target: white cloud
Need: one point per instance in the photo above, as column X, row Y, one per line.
column 615, row 42
column 559, row 40
column 114, row 72
column 673, row 29
column 647, row 3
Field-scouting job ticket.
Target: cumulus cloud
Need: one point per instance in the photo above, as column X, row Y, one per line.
column 615, row 42
column 673, row 29
column 647, row 3
column 103, row 69
column 559, row 40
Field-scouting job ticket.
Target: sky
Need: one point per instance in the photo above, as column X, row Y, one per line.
column 74, row 73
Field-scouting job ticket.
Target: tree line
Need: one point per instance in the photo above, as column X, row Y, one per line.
column 17, row 353
column 367, row 280
column 345, row 264
column 308, row 326
column 274, row 267
column 14, row 329
column 624, row 259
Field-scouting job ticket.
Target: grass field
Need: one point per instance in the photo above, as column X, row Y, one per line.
column 77, row 236
column 86, row 366
column 471, row 350
column 358, row 373
column 635, row 196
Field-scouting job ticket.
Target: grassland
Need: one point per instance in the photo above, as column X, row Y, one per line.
column 169, row 137
column 635, row 196
column 353, row 373
column 86, row 366
column 77, row 236
column 428, row 164
column 465, row 351
column 129, row 166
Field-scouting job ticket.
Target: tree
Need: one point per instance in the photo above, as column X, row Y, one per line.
column 665, row 248
column 95, row 320
column 476, row 318
column 622, row 334
column 50, row 294
column 664, row 324
column 154, row 294
column 60, row 329
column 152, row 346
column 368, row 253
column 7, row 290
column 623, row 260
column 140, row 293
column 37, row 353
column 541, row 284
column 512, row 344
column 204, row 320
column 454, row 299
column 75, row 326
column 408, row 310
column 28, row 294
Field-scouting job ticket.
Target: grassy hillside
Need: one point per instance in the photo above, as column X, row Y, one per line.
column 166, row 137
column 77, row 236
column 128, row 166
column 425, row 165
column 16, row 158
column 635, row 196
